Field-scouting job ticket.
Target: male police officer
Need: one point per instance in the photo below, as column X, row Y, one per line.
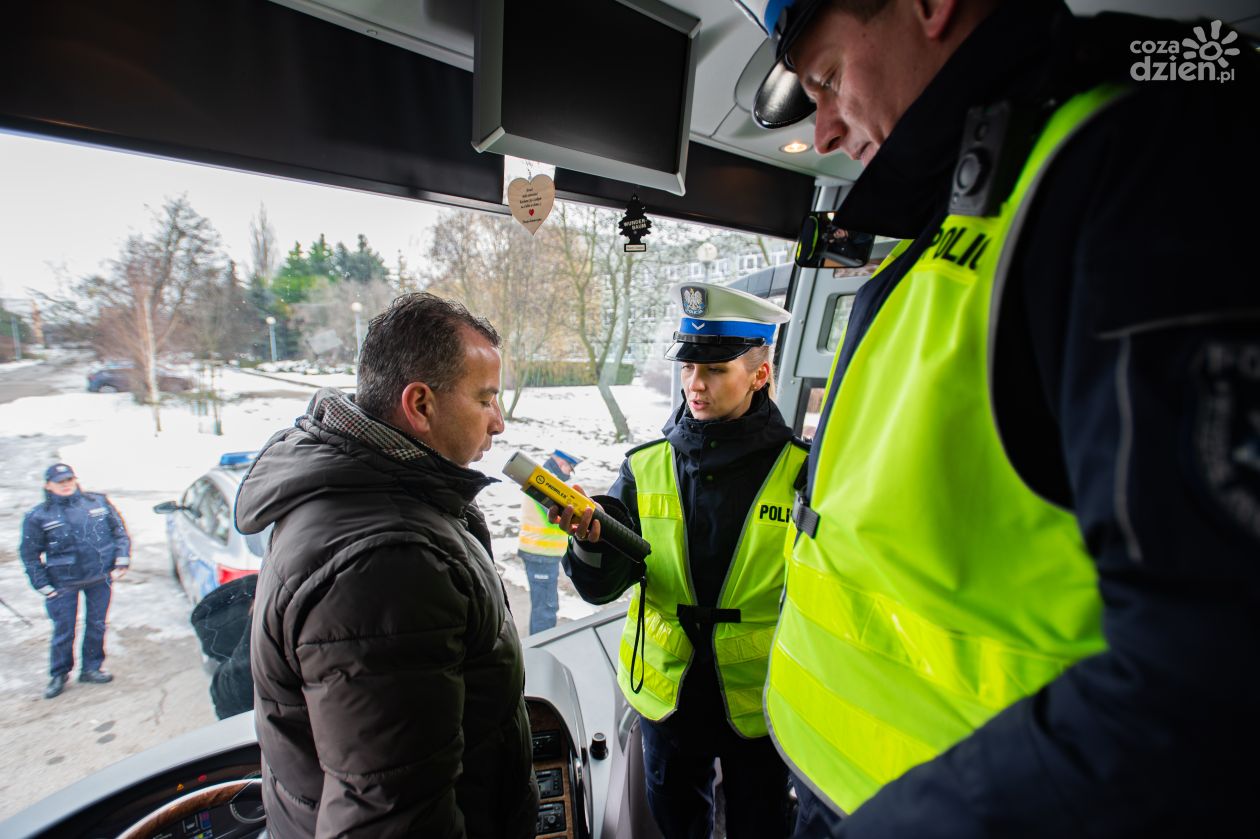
column 85, row 548
column 541, row 546
column 1024, row 598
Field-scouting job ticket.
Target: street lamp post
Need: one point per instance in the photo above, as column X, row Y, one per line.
column 271, row 327
column 357, row 308
column 706, row 253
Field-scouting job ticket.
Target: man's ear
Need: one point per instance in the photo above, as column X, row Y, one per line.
column 416, row 408
column 936, row 16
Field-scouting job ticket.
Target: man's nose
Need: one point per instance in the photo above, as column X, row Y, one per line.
column 496, row 424
column 829, row 129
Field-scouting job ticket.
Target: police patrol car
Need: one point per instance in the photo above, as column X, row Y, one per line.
column 206, row 548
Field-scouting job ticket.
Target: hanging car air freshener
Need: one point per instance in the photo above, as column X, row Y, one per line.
column 635, row 225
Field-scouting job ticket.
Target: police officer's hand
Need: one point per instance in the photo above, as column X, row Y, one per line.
column 583, row 527
column 118, row 572
column 49, row 593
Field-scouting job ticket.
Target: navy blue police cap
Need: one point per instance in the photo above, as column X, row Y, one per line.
column 58, row 472
column 720, row 323
column 780, row 100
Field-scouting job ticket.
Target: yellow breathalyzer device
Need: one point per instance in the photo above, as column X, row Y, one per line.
column 548, row 490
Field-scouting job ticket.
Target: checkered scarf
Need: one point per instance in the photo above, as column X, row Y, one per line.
column 337, row 412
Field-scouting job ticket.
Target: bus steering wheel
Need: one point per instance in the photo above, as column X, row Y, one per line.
column 194, row 802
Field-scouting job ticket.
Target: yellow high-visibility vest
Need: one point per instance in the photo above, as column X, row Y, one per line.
column 938, row 588
column 753, row 586
column 538, row 535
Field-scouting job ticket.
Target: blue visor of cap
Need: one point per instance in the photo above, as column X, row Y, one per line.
column 729, row 328
column 773, row 9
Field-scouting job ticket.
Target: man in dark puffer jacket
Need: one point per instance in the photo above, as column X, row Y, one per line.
column 387, row 669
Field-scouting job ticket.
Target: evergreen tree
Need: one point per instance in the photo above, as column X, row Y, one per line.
column 341, row 261
column 363, row 265
column 320, row 259
column 295, row 264
column 296, row 279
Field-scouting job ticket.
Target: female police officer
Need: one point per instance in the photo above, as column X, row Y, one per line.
column 713, row 497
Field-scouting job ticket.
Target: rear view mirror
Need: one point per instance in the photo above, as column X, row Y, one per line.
column 822, row 244
column 166, row 508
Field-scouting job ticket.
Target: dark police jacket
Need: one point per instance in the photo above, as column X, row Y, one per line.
column 81, row 537
column 388, row 675
column 1126, row 382
column 720, row 468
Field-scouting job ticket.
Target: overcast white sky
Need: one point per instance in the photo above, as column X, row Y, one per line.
column 72, row 206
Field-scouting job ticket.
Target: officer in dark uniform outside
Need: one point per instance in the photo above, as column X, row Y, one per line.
column 84, row 548
column 540, row 547
column 1024, row 597
column 713, row 498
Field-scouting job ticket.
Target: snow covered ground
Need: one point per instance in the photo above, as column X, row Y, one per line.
column 161, row 689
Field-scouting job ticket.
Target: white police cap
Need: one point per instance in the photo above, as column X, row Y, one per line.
column 720, row 323
column 780, row 100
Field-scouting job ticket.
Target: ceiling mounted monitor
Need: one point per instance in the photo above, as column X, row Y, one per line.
column 596, row 86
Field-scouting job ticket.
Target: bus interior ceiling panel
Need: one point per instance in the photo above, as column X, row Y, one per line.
column 248, row 85
column 260, row 87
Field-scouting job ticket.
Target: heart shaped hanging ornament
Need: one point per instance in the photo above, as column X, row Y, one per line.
column 531, row 200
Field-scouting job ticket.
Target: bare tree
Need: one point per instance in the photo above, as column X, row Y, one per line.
column 218, row 326
column 140, row 304
column 601, row 278
column 405, row 279
column 262, row 246
column 456, row 260
column 500, row 272
column 68, row 319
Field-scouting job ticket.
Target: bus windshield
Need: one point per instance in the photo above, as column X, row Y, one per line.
column 275, row 285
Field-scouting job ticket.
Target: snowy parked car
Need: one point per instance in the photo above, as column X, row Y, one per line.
column 206, row 548
column 122, row 377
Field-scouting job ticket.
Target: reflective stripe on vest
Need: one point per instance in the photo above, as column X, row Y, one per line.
column 753, row 585
column 539, row 536
column 938, row 588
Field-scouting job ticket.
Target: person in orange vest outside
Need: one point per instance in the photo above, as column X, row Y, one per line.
column 541, row 546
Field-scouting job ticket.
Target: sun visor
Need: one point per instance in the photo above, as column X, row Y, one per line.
column 780, row 101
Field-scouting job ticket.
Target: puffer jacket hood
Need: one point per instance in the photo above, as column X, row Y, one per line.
column 316, row 458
